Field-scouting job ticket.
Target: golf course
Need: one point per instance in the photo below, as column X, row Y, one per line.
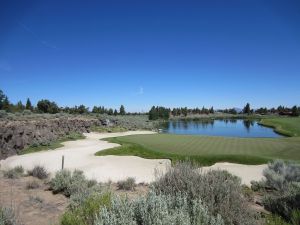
column 207, row 150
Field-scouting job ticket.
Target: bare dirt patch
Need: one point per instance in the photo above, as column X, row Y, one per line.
column 33, row 206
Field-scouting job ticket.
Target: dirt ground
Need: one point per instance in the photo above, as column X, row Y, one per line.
column 35, row 206
column 40, row 206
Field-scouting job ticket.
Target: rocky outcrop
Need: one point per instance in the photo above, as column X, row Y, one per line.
column 17, row 135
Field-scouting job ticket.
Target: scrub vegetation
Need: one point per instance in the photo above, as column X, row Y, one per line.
column 52, row 144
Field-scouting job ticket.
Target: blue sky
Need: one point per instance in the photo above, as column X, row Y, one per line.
column 144, row 53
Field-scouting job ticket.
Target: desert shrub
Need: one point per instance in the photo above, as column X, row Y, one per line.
column 19, row 169
column 74, row 136
column 248, row 193
column 38, row 172
column 257, row 185
column 11, row 174
column 77, row 198
column 275, row 220
column 27, row 112
column 91, row 183
column 70, row 183
column 283, row 178
column 220, row 191
column 3, row 113
column 282, row 204
column 14, row 173
column 32, row 184
column 85, row 212
column 295, row 219
column 8, row 216
column 34, row 145
column 61, row 182
column 280, row 173
column 128, row 184
column 36, row 199
column 156, row 209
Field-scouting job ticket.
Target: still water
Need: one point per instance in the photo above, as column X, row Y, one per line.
column 219, row 127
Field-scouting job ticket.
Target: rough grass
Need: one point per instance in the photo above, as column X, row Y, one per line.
column 103, row 129
column 207, row 150
column 52, row 145
column 284, row 125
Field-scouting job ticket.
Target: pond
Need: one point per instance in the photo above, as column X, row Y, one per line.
column 220, row 127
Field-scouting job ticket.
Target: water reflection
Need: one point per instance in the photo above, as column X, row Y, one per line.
column 219, row 127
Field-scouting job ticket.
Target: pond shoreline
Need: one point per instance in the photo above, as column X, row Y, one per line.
column 222, row 127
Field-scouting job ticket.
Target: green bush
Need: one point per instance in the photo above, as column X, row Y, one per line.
column 39, row 172
column 85, row 213
column 8, row 217
column 14, row 173
column 156, row 209
column 295, row 219
column 70, row 183
column 220, row 191
column 128, row 184
column 282, row 204
column 257, row 185
column 275, row 220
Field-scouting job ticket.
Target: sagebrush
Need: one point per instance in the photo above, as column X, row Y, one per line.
column 220, row 191
column 156, row 209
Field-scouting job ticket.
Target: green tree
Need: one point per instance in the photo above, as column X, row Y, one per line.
column 82, row 109
column 159, row 113
column 45, row 106
column 2, row 97
column 6, row 104
column 115, row 112
column 110, row 112
column 122, row 110
column 295, row 111
column 232, row 111
column 28, row 105
column 247, row 109
column 20, row 107
column 95, row 109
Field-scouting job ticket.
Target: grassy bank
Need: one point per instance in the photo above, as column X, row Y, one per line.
column 207, row 150
column 283, row 125
column 53, row 144
column 103, row 129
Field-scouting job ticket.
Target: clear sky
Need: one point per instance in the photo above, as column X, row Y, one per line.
column 143, row 53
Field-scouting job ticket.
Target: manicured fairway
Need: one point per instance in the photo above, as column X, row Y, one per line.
column 207, row 150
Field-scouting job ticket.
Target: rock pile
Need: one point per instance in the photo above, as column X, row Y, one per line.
column 17, row 135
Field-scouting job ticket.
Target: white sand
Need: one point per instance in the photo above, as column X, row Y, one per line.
column 80, row 155
column 247, row 173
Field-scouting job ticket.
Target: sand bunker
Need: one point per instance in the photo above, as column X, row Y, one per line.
column 80, row 155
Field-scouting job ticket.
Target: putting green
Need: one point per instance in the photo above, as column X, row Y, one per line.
column 207, row 150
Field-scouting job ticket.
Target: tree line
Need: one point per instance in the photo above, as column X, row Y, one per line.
column 47, row 106
column 156, row 112
column 160, row 112
column 281, row 110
